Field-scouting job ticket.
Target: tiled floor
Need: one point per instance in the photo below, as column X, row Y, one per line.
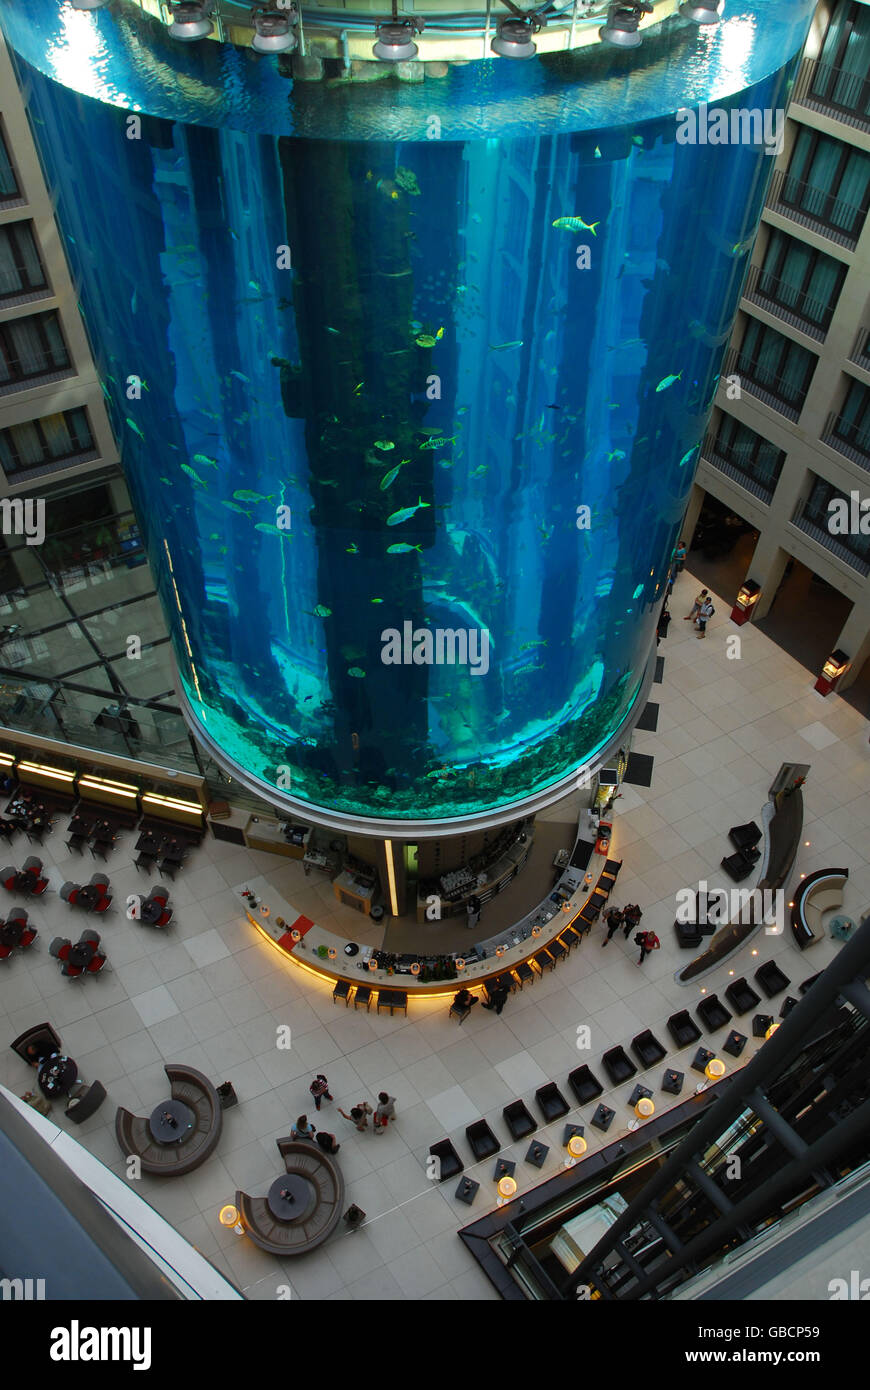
column 210, row 993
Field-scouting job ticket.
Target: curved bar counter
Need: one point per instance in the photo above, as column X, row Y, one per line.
column 576, row 901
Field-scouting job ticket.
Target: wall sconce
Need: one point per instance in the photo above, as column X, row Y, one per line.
column 836, row 666
column 576, row 1147
column 747, row 597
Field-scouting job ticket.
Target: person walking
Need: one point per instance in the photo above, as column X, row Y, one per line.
column 385, row 1112
column 705, row 613
column 497, row 997
column 303, row 1130
column 358, row 1115
column 631, row 914
column 614, row 922
column 319, row 1089
column 647, row 941
column 696, row 606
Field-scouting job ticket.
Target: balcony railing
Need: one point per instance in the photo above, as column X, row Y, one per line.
column 843, row 436
column 834, row 92
column 738, row 468
column 14, row 476
column 860, row 353
column 816, row 527
column 816, row 209
column 774, row 390
column 802, row 311
column 47, row 368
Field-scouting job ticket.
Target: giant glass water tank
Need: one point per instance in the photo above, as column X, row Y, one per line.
column 426, row 352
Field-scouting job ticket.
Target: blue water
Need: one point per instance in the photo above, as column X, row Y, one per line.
column 414, row 263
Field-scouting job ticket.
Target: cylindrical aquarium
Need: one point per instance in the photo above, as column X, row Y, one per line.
column 410, row 365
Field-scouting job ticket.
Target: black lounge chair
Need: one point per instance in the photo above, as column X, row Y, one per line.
column 585, row 1086
column 688, row 935
column 551, row 1102
column 518, row 1120
column 342, row 991
column 772, row 980
column 741, row 996
column 481, row 1140
column 647, row 1049
column 449, row 1162
column 738, row 866
column 760, row 1024
column 683, row 1028
column 618, row 1065
column 744, row 836
column 712, row 1013
column 86, row 1103
column 41, row 1036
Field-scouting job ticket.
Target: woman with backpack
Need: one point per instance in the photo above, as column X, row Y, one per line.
column 705, row 613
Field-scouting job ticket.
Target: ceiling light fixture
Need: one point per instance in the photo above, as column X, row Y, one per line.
column 706, row 12
column 622, row 21
column 274, row 30
column 190, row 20
column 395, row 38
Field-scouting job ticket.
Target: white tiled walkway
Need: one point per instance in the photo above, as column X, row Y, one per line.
column 208, row 992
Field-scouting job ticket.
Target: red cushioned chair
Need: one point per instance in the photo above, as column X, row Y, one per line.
column 72, row 970
column 5, row 952
column 103, row 905
column 39, row 887
column 64, row 951
column 28, row 937
column 164, row 917
column 95, row 964
column 8, row 879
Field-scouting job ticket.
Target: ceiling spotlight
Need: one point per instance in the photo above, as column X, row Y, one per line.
column 622, row 21
column 190, row 20
column 702, row 12
column 396, row 39
column 274, row 30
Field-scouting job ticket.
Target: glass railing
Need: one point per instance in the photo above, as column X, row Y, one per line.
column 849, row 438
column 742, row 468
column 782, row 395
column 844, row 95
column 815, row 525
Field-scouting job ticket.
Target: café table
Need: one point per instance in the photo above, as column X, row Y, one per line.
column 170, row 1121
column 148, row 844
column 291, row 1197
column 89, row 896
column 79, row 826
column 25, row 882
column 82, row 953
column 174, row 851
column 57, row 1075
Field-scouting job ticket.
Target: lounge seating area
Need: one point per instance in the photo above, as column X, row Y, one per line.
column 815, row 895
column 316, row 1188
column 194, row 1091
column 741, row 996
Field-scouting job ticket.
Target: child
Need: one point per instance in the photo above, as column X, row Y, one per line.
column 358, row 1115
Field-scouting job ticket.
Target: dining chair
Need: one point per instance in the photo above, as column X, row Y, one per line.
column 95, row 964
column 103, row 904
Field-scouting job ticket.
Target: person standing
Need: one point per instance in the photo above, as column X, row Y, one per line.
column 680, row 557
column 614, row 922
column 358, row 1115
column 647, row 941
column 663, row 624
column 385, row 1112
column 696, row 606
column 705, row 613
column 319, row 1089
column 327, row 1142
column 497, row 997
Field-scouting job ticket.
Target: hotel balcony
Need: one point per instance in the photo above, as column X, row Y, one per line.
column 736, row 466
column 848, row 439
column 833, row 92
column 817, row 210
column 816, row 527
column 757, row 380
